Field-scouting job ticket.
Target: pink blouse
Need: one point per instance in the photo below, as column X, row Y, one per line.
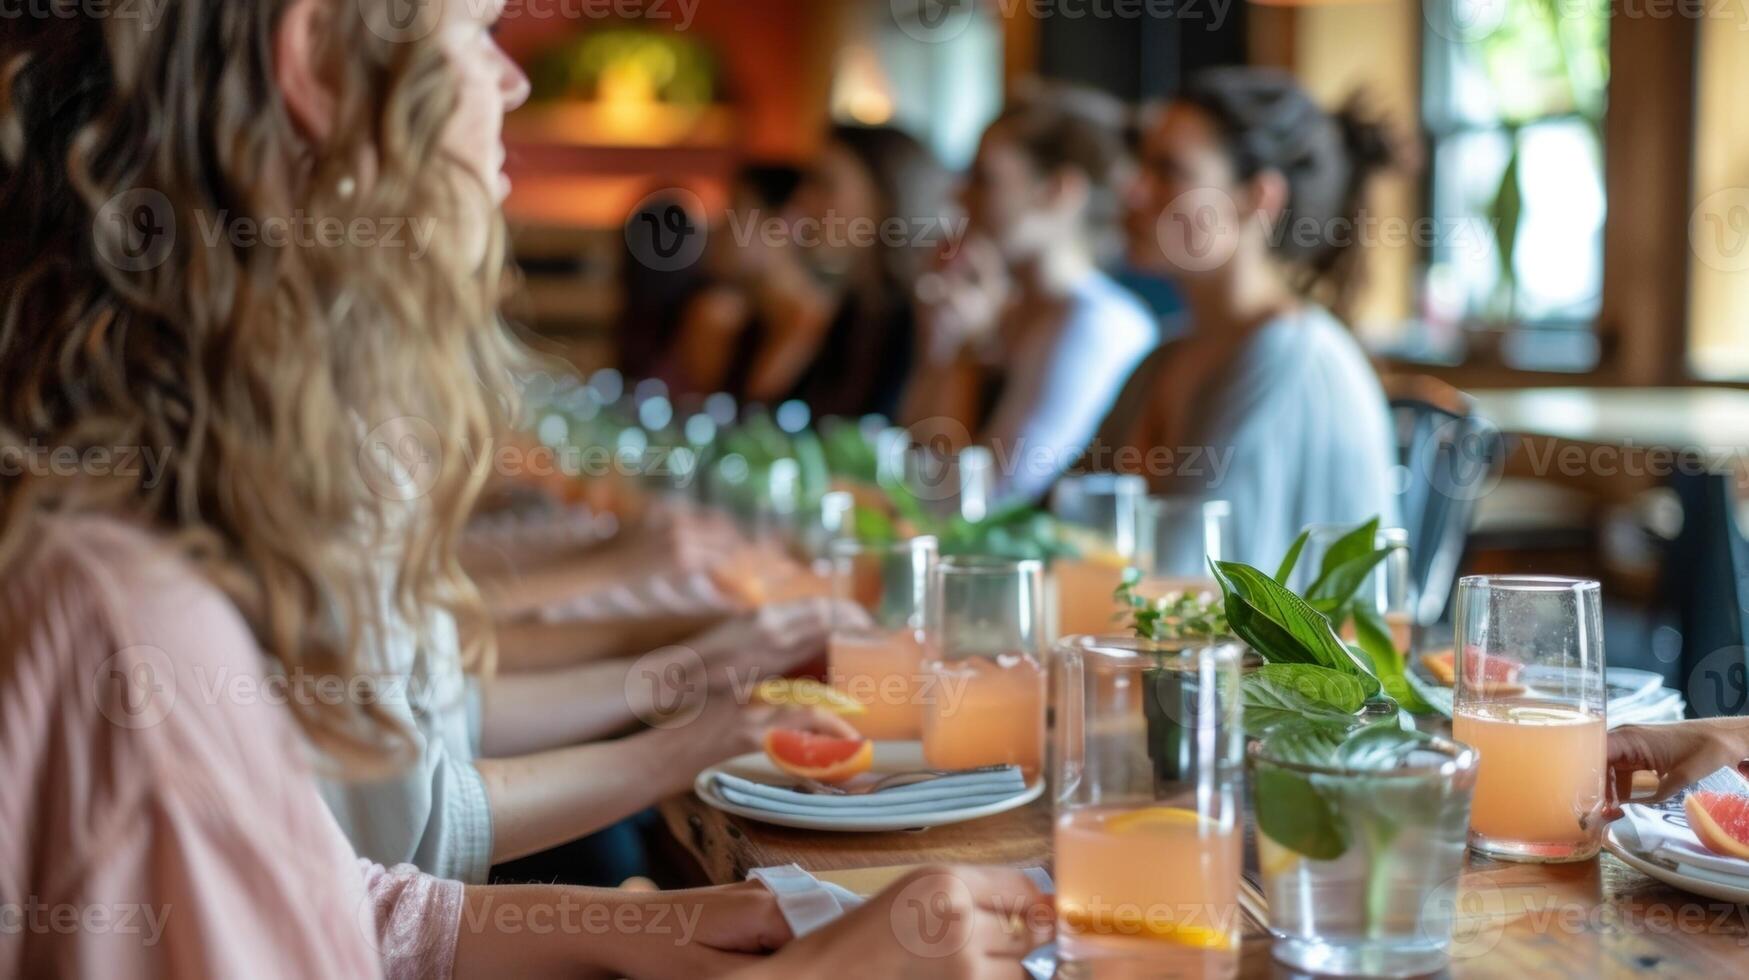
column 158, row 815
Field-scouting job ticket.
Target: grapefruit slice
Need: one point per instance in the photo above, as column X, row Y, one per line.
column 1495, row 674
column 826, row 758
column 806, row 692
column 1720, row 820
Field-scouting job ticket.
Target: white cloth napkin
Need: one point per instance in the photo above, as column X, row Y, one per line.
column 944, row 793
column 807, row 903
column 1661, row 831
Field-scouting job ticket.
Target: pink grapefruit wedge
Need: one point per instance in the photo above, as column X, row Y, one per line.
column 1721, row 821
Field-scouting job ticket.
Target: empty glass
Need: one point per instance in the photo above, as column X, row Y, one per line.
column 1184, row 535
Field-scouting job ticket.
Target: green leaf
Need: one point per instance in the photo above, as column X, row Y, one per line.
column 1292, row 812
column 1281, row 626
column 1379, row 747
column 1271, row 705
column 1373, row 638
column 1342, row 692
column 1339, row 585
column 1293, row 557
column 874, row 527
column 1357, row 543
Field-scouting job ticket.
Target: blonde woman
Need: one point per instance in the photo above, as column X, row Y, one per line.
column 195, row 532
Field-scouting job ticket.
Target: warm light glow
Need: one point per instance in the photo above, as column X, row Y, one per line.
column 861, row 91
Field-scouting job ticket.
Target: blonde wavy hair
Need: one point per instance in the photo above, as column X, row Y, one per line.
column 260, row 370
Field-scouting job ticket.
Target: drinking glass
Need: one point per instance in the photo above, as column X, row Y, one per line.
column 985, row 703
column 879, row 662
column 1375, row 892
column 1395, row 591
column 1106, row 520
column 960, row 484
column 1184, row 535
column 1530, row 698
column 1148, row 825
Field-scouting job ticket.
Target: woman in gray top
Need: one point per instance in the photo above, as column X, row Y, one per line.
column 1253, row 199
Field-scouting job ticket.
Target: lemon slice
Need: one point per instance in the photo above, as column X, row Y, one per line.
column 1153, row 818
column 1274, row 859
column 1177, row 933
column 805, row 692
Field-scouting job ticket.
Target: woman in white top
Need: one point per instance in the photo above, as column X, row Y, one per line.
column 1253, row 199
column 1026, row 341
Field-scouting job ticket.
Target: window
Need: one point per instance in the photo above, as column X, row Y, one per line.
column 1514, row 94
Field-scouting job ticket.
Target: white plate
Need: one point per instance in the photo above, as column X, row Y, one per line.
column 888, row 757
column 1668, row 875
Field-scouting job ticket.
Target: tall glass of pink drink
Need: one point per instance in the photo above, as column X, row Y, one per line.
column 1104, row 517
column 1530, row 698
column 984, row 702
column 878, row 659
column 1147, row 751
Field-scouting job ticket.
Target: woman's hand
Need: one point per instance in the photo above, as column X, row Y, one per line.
column 958, row 923
column 700, row 932
column 1680, row 753
column 774, row 639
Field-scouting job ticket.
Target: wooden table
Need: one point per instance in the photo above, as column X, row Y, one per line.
column 1596, row 919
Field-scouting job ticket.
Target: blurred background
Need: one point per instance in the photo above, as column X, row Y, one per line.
column 1576, row 265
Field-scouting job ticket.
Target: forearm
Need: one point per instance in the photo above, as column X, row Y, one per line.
column 533, row 931
column 537, row 646
column 512, row 592
column 532, row 712
column 542, row 800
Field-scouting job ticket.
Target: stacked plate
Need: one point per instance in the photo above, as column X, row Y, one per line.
column 751, row 786
column 1656, row 839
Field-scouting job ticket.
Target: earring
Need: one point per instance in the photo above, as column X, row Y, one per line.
column 347, row 187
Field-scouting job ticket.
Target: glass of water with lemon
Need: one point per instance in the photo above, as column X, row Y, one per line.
column 1148, row 824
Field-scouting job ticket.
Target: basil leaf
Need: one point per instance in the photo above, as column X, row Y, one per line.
column 1293, row 557
column 1339, row 585
column 1355, row 544
column 1379, row 747
column 874, row 527
column 1271, row 706
column 1281, row 626
column 1341, row 692
column 1292, row 812
column 1373, row 637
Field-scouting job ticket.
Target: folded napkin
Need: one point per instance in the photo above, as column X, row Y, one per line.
column 807, row 903
column 1661, row 831
column 933, row 796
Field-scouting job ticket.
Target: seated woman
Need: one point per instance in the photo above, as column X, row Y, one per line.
column 183, row 641
column 1027, row 341
column 1252, row 198
column 861, row 224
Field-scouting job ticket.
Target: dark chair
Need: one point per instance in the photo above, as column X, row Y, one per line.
column 1450, row 458
column 1706, row 580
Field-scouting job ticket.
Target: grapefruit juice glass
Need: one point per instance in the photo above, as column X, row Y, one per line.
column 1540, row 788
column 984, row 697
column 879, row 660
column 1148, row 827
column 1105, row 516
